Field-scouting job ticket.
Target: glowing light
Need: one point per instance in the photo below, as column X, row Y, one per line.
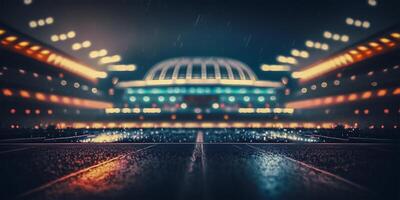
column 35, row 48
column 122, row 68
column 309, row 43
column 23, row 43
column 172, row 98
column 151, row 110
column 384, row 40
column 394, row 35
column 324, row 101
column 275, row 67
column 76, row 46
column 54, row 38
column 286, row 59
column 11, row 38
column 41, row 22
column 146, row 99
column 71, row 34
column 75, row 67
column 63, row 36
column 183, row 105
column 327, row 34
column 366, row 95
column 49, row 20
column 32, row 24
column 366, row 24
column 345, row 38
column 109, row 59
column 7, row 92
column 336, row 36
column 323, row 67
column 40, row 96
column 382, row 92
column 24, row 94
column 372, row 2
column 132, row 99
column 349, row 21
column 86, row 44
column 215, row 105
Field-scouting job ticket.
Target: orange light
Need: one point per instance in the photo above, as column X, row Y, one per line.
column 66, row 100
column 45, row 52
column 50, row 112
column 11, row 38
column 35, row 48
column 384, row 40
column 382, row 92
column 362, row 48
column 7, row 92
column 366, row 111
column 24, row 94
column 54, row 98
column 69, row 101
column 373, row 44
column 395, row 35
column 2, row 31
column 23, row 43
column 328, row 100
column 340, row 98
column 396, row 91
column 354, row 52
column 366, row 95
column 40, row 96
column 352, row 97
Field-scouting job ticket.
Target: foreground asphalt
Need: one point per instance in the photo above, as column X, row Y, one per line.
column 199, row 171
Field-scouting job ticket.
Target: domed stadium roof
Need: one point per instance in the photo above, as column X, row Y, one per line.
column 200, row 71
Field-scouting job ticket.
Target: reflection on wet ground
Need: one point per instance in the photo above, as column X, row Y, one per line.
column 199, row 171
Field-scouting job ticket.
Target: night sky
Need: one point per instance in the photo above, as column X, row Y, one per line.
column 145, row 32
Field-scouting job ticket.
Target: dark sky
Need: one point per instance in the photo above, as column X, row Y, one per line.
column 145, row 32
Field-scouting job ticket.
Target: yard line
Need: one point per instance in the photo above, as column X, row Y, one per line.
column 318, row 170
column 51, row 183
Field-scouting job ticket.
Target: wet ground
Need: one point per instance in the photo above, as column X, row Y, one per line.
column 199, row 171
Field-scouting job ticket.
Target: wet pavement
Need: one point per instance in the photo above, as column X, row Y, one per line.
column 199, row 171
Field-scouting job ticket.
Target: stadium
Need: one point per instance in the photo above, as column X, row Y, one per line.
column 200, row 88
column 156, row 99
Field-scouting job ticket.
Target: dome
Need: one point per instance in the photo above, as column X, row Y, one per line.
column 200, row 71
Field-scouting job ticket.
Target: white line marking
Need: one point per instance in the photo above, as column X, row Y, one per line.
column 51, row 183
column 13, row 150
column 318, row 170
